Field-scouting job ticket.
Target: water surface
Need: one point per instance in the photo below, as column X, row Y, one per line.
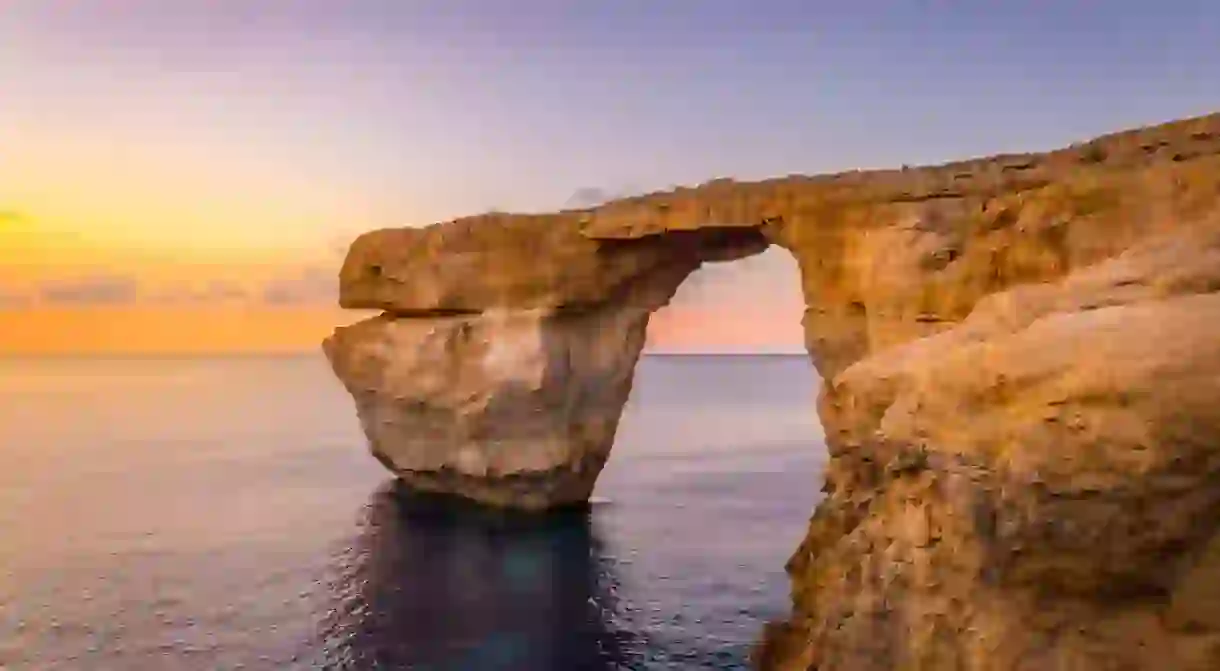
column 223, row 513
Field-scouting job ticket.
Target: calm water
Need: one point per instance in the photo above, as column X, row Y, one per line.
column 223, row 514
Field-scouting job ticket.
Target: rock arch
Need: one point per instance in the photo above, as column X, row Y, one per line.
column 1021, row 366
column 498, row 371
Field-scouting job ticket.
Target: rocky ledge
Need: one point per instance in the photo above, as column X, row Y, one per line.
column 1022, row 366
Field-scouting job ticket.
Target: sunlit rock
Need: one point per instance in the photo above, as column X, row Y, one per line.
column 509, row 408
column 1021, row 356
column 460, row 391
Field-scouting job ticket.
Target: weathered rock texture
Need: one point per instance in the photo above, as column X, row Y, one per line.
column 1022, row 398
column 506, row 354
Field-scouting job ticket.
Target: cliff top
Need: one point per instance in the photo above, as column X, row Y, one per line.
column 986, row 176
column 533, row 260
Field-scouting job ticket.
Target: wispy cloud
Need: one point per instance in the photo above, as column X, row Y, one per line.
column 589, row 196
column 103, row 289
column 311, row 285
column 216, row 291
column 592, row 196
column 298, row 285
column 10, row 300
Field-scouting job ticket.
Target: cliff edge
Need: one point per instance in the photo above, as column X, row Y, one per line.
column 1022, row 365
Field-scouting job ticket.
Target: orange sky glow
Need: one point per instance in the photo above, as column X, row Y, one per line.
column 238, row 329
column 163, row 193
column 185, row 175
column 68, row 289
column 82, row 274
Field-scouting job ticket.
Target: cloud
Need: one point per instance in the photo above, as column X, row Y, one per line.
column 105, row 289
column 216, row 291
column 220, row 291
column 592, row 196
column 11, row 300
column 589, row 196
column 305, row 286
column 311, row 285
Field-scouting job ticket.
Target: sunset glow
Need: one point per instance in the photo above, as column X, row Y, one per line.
column 185, row 175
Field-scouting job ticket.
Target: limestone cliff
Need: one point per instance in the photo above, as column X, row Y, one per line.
column 1037, row 488
column 1022, row 356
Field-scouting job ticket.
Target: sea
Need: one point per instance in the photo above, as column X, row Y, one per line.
column 224, row 513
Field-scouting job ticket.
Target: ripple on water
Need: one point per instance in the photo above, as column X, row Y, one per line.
column 191, row 542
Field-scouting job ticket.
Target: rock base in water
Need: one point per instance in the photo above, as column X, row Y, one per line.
column 515, row 409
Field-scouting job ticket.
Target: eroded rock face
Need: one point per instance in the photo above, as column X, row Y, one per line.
column 1035, row 488
column 509, row 408
column 519, row 262
column 1021, row 353
column 504, row 388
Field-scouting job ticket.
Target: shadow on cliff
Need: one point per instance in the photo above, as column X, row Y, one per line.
column 434, row 585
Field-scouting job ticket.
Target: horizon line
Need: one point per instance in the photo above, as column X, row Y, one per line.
column 287, row 354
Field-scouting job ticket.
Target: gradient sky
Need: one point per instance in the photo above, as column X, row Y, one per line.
column 182, row 174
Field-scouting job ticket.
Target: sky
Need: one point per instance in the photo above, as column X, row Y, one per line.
column 184, row 175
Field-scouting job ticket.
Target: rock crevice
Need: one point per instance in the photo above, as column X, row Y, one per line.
column 1022, row 366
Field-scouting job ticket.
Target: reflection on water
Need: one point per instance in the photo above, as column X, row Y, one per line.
column 431, row 586
column 224, row 514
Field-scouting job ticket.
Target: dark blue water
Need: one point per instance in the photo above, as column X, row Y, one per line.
column 224, row 514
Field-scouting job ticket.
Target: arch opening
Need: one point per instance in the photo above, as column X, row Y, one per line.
column 719, row 425
column 742, row 306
